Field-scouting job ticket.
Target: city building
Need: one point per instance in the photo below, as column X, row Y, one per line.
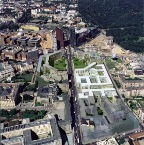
column 9, row 94
column 59, row 38
column 23, row 66
column 137, row 138
column 89, row 78
column 11, row 52
column 47, row 93
column 139, row 71
column 51, row 96
column 34, row 42
column 22, row 41
column 49, row 43
column 80, row 35
column 131, row 86
column 102, row 112
column 6, row 70
column 134, row 91
column 44, row 132
column 28, row 54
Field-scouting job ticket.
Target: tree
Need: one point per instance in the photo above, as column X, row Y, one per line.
column 12, row 112
column 3, row 112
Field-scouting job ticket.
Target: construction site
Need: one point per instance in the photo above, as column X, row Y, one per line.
column 105, row 44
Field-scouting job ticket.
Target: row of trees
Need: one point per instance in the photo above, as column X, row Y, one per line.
column 34, row 115
column 8, row 114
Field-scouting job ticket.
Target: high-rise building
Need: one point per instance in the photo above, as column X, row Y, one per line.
column 59, row 38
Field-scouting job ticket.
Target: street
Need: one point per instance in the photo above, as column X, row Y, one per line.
column 73, row 99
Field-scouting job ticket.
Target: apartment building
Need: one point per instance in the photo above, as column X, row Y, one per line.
column 134, row 91
column 9, row 96
column 44, row 132
column 126, row 81
column 6, row 70
column 29, row 54
column 131, row 86
column 11, row 52
column 23, row 66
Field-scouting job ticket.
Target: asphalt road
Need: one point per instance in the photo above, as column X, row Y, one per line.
column 73, row 99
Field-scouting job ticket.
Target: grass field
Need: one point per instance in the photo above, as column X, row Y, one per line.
column 110, row 64
column 79, row 63
column 119, row 60
column 27, row 77
column 23, row 78
column 30, row 27
column 60, row 64
column 41, row 81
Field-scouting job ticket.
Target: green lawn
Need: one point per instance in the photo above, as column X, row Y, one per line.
column 110, row 99
column 30, row 87
column 27, row 77
column 79, row 63
column 98, row 67
column 119, row 60
column 110, row 63
column 38, row 104
column 22, row 78
column 41, row 81
column 60, row 64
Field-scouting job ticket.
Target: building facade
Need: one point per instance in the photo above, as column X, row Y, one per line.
column 6, row 70
column 59, row 38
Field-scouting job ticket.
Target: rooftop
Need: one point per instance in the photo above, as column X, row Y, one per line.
column 12, row 49
column 102, row 111
column 46, row 131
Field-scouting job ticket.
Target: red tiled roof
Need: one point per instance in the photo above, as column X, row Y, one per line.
column 137, row 135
